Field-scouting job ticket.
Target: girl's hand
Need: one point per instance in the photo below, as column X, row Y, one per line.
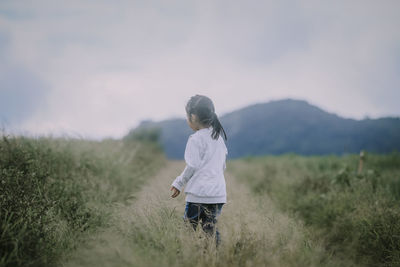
column 175, row 192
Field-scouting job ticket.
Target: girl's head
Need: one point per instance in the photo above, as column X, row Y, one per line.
column 200, row 111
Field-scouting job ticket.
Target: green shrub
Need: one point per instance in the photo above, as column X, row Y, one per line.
column 149, row 134
column 379, row 236
column 53, row 190
column 356, row 214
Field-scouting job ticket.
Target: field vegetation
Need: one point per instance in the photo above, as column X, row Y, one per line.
column 356, row 214
column 150, row 231
column 54, row 193
column 70, row 202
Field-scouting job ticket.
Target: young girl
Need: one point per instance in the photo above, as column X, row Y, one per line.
column 203, row 176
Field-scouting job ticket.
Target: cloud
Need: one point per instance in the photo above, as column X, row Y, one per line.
column 4, row 41
column 107, row 66
column 21, row 94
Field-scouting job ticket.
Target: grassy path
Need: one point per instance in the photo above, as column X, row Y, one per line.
column 149, row 231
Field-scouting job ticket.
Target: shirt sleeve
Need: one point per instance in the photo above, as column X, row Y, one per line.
column 226, row 154
column 193, row 153
column 192, row 159
column 182, row 179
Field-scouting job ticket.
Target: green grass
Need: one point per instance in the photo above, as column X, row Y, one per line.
column 55, row 191
column 357, row 215
column 61, row 198
column 150, row 232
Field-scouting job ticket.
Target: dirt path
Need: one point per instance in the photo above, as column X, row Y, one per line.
column 149, row 232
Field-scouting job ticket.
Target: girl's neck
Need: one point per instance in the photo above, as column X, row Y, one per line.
column 203, row 127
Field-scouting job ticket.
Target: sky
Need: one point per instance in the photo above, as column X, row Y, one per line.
column 97, row 68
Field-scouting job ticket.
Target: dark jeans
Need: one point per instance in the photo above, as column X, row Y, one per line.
column 207, row 214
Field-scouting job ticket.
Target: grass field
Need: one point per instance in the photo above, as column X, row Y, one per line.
column 84, row 203
column 150, row 231
column 355, row 215
column 56, row 192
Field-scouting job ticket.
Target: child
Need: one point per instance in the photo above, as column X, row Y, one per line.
column 205, row 157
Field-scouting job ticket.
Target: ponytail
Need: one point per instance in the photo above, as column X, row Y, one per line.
column 217, row 127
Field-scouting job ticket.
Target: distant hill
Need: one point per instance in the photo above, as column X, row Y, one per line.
column 286, row 126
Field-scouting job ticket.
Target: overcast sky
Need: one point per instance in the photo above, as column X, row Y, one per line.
column 97, row 68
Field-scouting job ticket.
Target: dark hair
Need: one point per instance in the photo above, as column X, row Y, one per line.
column 203, row 108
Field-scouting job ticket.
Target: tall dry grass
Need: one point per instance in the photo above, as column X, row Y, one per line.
column 356, row 214
column 150, row 232
column 55, row 192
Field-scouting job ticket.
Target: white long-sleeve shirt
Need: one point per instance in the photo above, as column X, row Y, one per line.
column 203, row 176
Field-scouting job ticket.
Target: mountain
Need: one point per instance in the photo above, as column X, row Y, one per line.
column 286, row 126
